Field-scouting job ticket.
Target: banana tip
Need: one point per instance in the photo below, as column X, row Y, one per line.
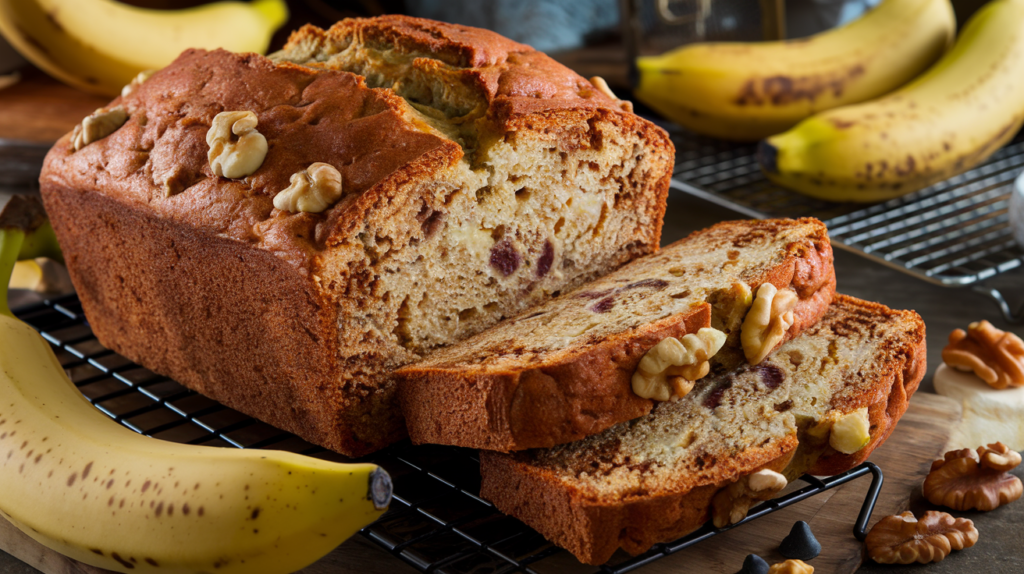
column 380, row 488
column 768, row 156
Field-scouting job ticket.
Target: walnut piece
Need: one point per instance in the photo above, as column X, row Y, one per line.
column 902, row 539
column 312, row 190
column 669, row 369
column 602, row 86
column 237, row 150
column 765, row 325
column 791, row 567
column 851, row 432
column 130, row 88
column 996, row 356
column 730, row 504
column 97, row 126
column 965, row 479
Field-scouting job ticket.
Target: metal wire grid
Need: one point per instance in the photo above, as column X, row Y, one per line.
column 955, row 233
column 437, row 521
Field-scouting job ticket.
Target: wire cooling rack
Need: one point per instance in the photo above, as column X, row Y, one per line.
column 955, row 233
column 437, row 521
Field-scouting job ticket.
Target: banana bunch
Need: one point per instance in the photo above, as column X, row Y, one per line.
column 83, row 485
column 749, row 91
column 946, row 121
column 100, row 45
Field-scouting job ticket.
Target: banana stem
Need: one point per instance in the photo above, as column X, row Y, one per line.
column 11, row 240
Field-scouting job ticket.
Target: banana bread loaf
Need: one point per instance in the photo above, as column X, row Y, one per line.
column 562, row 370
column 840, row 386
column 477, row 177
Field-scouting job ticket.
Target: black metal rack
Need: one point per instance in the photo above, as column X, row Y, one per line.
column 955, row 233
column 437, row 521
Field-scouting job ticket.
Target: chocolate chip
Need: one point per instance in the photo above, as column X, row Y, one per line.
column 714, row 398
column 771, row 375
column 604, row 305
column 547, row 257
column 754, row 564
column 505, row 258
column 800, row 544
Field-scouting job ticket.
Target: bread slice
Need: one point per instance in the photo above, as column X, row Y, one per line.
column 479, row 177
column 652, row 479
column 561, row 371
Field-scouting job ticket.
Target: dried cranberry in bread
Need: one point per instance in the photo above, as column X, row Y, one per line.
column 478, row 177
column 561, row 371
column 652, row 479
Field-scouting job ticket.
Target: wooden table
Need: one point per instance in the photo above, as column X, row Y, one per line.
column 943, row 310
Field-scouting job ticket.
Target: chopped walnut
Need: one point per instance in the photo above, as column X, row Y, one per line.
column 765, row 325
column 996, row 356
column 730, row 504
column 851, row 432
column 791, row 567
column 237, row 150
column 902, row 539
column 965, row 479
column 312, row 190
column 141, row 77
column 602, row 86
column 670, row 368
column 97, row 126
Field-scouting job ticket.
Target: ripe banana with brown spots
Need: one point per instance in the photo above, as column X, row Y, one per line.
column 85, row 486
column 749, row 91
column 951, row 118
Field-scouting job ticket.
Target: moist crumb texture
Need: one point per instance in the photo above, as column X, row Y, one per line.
column 479, row 177
column 651, row 479
column 562, row 369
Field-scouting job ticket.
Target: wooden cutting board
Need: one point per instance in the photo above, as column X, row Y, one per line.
column 920, row 437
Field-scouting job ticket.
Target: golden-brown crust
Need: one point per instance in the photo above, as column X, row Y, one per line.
column 593, row 529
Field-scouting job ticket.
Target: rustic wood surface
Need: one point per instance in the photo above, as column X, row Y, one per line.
column 40, row 109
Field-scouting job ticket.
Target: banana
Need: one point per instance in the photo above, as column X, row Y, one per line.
column 748, row 91
column 949, row 119
column 100, row 45
column 83, row 485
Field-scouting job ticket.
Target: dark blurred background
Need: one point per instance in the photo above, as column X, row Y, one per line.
column 597, row 37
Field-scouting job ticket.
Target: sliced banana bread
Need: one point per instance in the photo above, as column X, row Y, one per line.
column 476, row 177
column 842, row 384
column 562, row 370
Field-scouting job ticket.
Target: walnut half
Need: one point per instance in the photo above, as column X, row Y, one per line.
column 670, row 368
column 731, row 504
column 312, row 190
column 97, row 126
column 996, row 356
column 965, row 479
column 237, row 150
column 902, row 539
column 765, row 325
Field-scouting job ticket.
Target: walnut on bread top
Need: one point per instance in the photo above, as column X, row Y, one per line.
column 670, row 368
column 237, row 150
column 769, row 318
column 312, row 190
